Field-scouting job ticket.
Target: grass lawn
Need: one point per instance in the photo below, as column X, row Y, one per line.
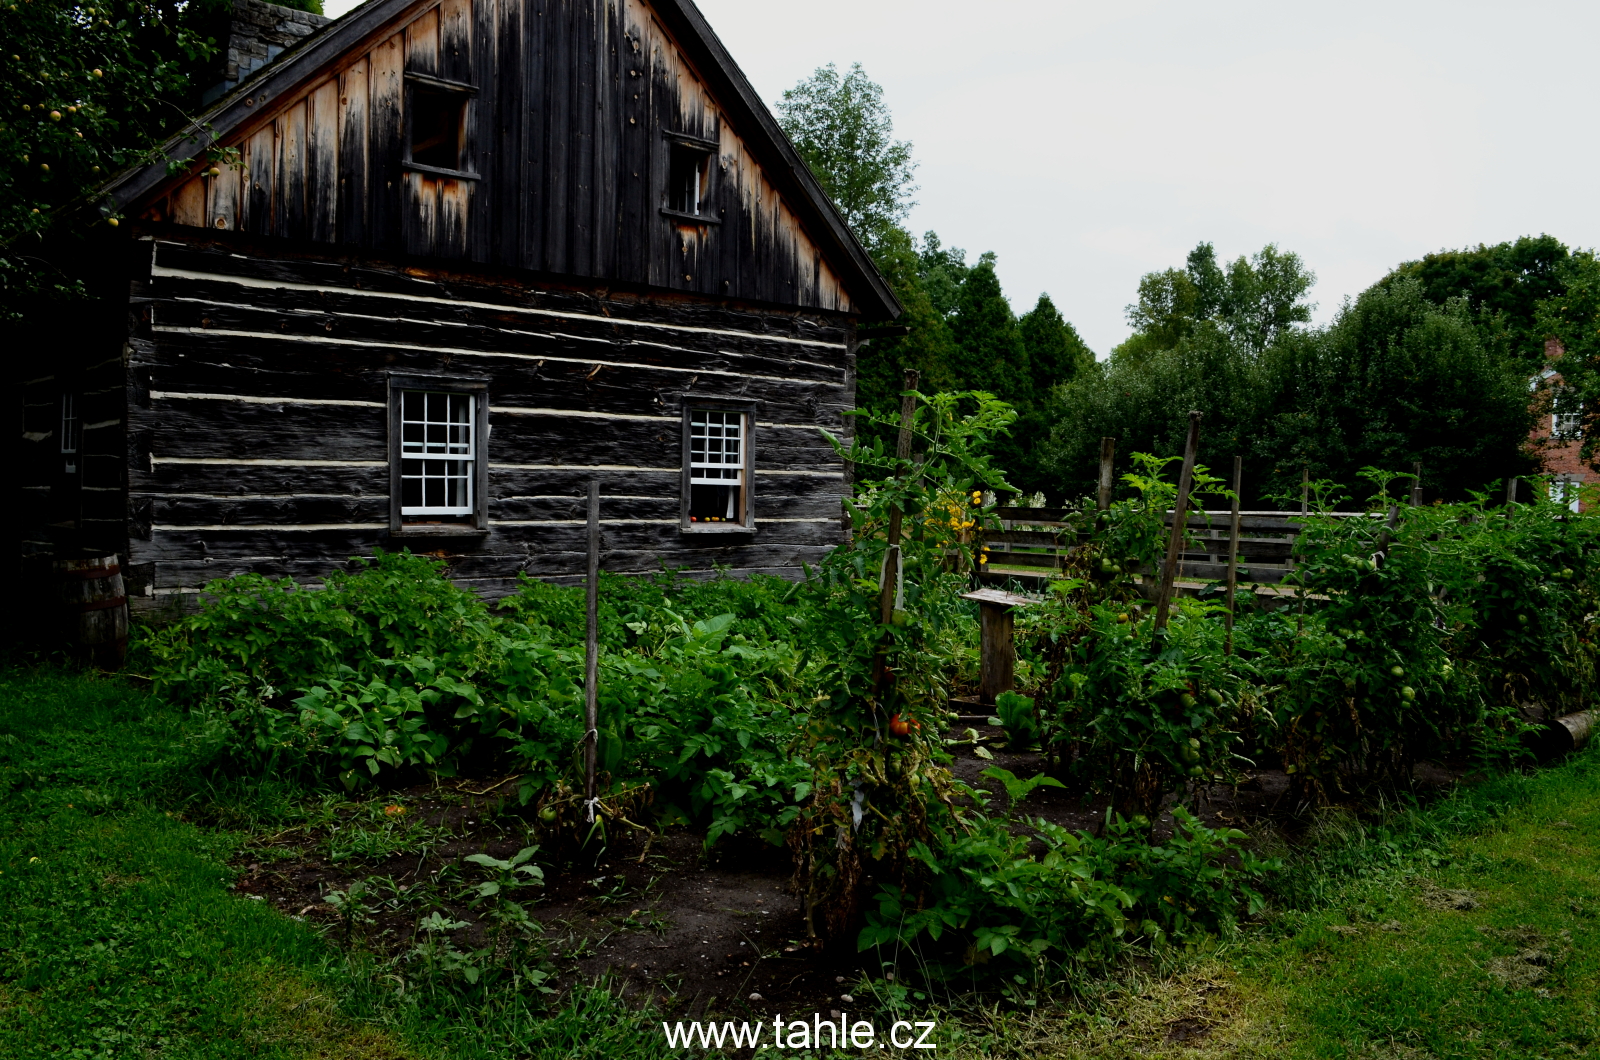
column 1468, row 929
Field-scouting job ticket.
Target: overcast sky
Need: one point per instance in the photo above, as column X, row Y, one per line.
column 1089, row 143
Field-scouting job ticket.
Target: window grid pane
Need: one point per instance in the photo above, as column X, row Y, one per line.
column 716, row 447
column 437, row 443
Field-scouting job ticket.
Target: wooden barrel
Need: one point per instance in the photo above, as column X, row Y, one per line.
column 94, row 609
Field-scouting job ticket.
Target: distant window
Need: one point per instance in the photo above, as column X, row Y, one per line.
column 1565, row 490
column 686, row 178
column 437, row 125
column 1566, row 424
column 718, row 471
column 71, row 433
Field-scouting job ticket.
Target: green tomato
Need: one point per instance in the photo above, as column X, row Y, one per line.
column 1190, row 756
column 1196, row 771
column 1139, row 822
column 1188, row 701
column 1215, row 697
column 899, row 618
column 1408, row 693
column 1522, row 619
column 1398, row 671
column 547, row 814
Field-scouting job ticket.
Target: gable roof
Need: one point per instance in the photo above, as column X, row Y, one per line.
column 301, row 66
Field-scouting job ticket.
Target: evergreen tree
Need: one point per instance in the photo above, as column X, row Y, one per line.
column 989, row 352
column 1056, row 354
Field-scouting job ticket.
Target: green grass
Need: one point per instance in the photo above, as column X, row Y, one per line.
column 1390, row 961
column 121, row 937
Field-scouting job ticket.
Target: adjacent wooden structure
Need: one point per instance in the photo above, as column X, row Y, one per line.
column 574, row 219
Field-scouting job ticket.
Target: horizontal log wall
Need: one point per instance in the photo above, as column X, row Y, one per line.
column 565, row 167
column 257, row 413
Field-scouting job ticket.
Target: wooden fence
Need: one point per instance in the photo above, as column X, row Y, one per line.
column 1034, row 544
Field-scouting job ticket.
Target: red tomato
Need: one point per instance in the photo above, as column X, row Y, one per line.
column 899, row 726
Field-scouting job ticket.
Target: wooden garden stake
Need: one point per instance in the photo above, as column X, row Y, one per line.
column 591, row 655
column 1416, row 484
column 902, row 451
column 1108, row 453
column 1180, row 511
column 1511, row 491
column 1305, row 491
column 889, row 584
column 1233, row 553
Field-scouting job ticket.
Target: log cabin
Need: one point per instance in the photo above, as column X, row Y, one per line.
column 419, row 277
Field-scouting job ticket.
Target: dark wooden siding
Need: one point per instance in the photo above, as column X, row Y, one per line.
column 565, row 138
column 257, row 431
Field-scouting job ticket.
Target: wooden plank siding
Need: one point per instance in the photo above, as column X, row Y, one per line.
column 257, row 432
column 565, row 163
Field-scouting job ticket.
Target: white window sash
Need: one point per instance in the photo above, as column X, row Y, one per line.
column 441, row 452
column 716, row 448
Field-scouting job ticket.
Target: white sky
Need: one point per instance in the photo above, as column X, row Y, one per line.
column 1089, row 143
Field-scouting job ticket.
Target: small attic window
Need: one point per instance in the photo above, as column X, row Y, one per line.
column 686, row 178
column 438, row 122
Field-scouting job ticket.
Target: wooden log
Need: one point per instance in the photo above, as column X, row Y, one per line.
column 1567, row 734
column 94, row 609
column 1233, row 552
column 591, row 652
column 1169, row 567
column 1108, row 453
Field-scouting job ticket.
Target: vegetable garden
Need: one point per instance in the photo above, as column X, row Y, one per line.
column 765, row 715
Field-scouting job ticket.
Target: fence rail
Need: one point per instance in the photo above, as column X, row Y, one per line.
column 1034, row 544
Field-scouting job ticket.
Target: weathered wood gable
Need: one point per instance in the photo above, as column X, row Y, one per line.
column 573, row 109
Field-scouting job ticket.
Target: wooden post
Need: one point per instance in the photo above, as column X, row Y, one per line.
column 1108, row 453
column 591, row 655
column 997, row 648
column 1416, row 484
column 1180, row 511
column 902, row 451
column 1305, row 491
column 1233, row 552
column 999, row 653
column 1511, row 490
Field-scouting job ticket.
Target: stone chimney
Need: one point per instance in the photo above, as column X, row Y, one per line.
column 258, row 33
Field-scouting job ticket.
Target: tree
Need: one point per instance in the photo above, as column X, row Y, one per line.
column 85, row 90
column 1257, row 300
column 1503, row 285
column 842, row 129
column 1394, row 379
column 1056, row 354
column 989, row 354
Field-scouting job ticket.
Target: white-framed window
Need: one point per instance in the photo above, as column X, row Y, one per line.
column 1566, row 424
column 71, row 432
column 717, row 467
column 437, row 454
column 1564, row 490
column 438, row 472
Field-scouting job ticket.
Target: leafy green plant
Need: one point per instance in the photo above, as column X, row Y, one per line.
column 1016, row 715
column 1016, row 788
